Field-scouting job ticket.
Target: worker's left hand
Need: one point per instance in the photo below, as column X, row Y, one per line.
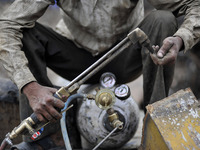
column 168, row 52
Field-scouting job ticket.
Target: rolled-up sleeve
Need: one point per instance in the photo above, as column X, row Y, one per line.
column 189, row 31
column 20, row 14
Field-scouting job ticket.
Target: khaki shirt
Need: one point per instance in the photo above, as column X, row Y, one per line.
column 92, row 24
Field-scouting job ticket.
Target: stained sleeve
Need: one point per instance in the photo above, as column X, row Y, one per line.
column 20, row 14
column 189, row 31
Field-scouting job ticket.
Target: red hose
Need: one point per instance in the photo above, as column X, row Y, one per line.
column 3, row 145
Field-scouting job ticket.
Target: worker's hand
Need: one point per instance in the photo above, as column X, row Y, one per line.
column 167, row 54
column 43, row 102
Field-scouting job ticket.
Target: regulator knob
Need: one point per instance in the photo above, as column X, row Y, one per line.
column 105, row 98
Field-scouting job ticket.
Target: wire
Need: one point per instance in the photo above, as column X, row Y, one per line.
column 105, row 138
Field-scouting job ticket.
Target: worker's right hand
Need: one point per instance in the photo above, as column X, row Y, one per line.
column 168, row 52
column 43, row 102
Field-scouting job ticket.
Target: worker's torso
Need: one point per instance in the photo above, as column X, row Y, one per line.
column 96, row 24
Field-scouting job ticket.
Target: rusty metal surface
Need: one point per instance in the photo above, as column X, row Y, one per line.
column 176, row 122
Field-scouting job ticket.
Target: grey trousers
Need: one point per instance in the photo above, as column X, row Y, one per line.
column 67, row 60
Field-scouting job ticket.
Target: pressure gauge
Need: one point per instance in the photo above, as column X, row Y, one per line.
column 122, row 91
column 108, row 80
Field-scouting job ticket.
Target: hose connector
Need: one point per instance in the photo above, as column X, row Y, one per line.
column 114, row 119
column 26, row 124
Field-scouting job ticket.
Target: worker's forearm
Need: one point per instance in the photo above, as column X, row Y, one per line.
column 20, row 14
column 189, row 30
column 11, row 56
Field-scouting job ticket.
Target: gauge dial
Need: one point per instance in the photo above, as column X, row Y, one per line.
column 122, row 91
column 108, row 80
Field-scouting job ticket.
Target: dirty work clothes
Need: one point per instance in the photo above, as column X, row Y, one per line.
column 45, row 48
column 94, row 25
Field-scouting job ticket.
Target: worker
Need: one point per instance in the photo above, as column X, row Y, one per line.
column 87, row 30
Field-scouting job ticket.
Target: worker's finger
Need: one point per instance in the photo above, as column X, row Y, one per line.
column 154, row 58
column 153, row 55
column 167, row 44
column 52, row 90
column 156, row 48
column 47, row 115
column 54, row 113
column 167, row 54
column 43, row 115
column 58, row 103
column 40, row 117
column 51, row 104
column 169, row 58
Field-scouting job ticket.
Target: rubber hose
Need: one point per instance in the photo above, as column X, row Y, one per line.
column 63, row 120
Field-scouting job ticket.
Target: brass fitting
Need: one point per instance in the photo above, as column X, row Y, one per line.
column 26, row 124
column 90, row 96
column 117, row 124
column 114, row 119
column 105, row 98
column 63, row 91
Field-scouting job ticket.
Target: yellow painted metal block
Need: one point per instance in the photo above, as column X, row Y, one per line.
column 173, row 123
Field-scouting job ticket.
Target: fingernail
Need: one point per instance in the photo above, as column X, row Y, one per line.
column 160, row 55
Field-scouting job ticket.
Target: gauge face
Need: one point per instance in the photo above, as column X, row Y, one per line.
column 122, row 91
column 108, row 80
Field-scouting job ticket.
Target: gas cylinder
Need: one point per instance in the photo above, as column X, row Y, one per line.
column 93, row 119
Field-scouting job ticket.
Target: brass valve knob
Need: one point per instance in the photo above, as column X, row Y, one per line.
column 105, row 98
